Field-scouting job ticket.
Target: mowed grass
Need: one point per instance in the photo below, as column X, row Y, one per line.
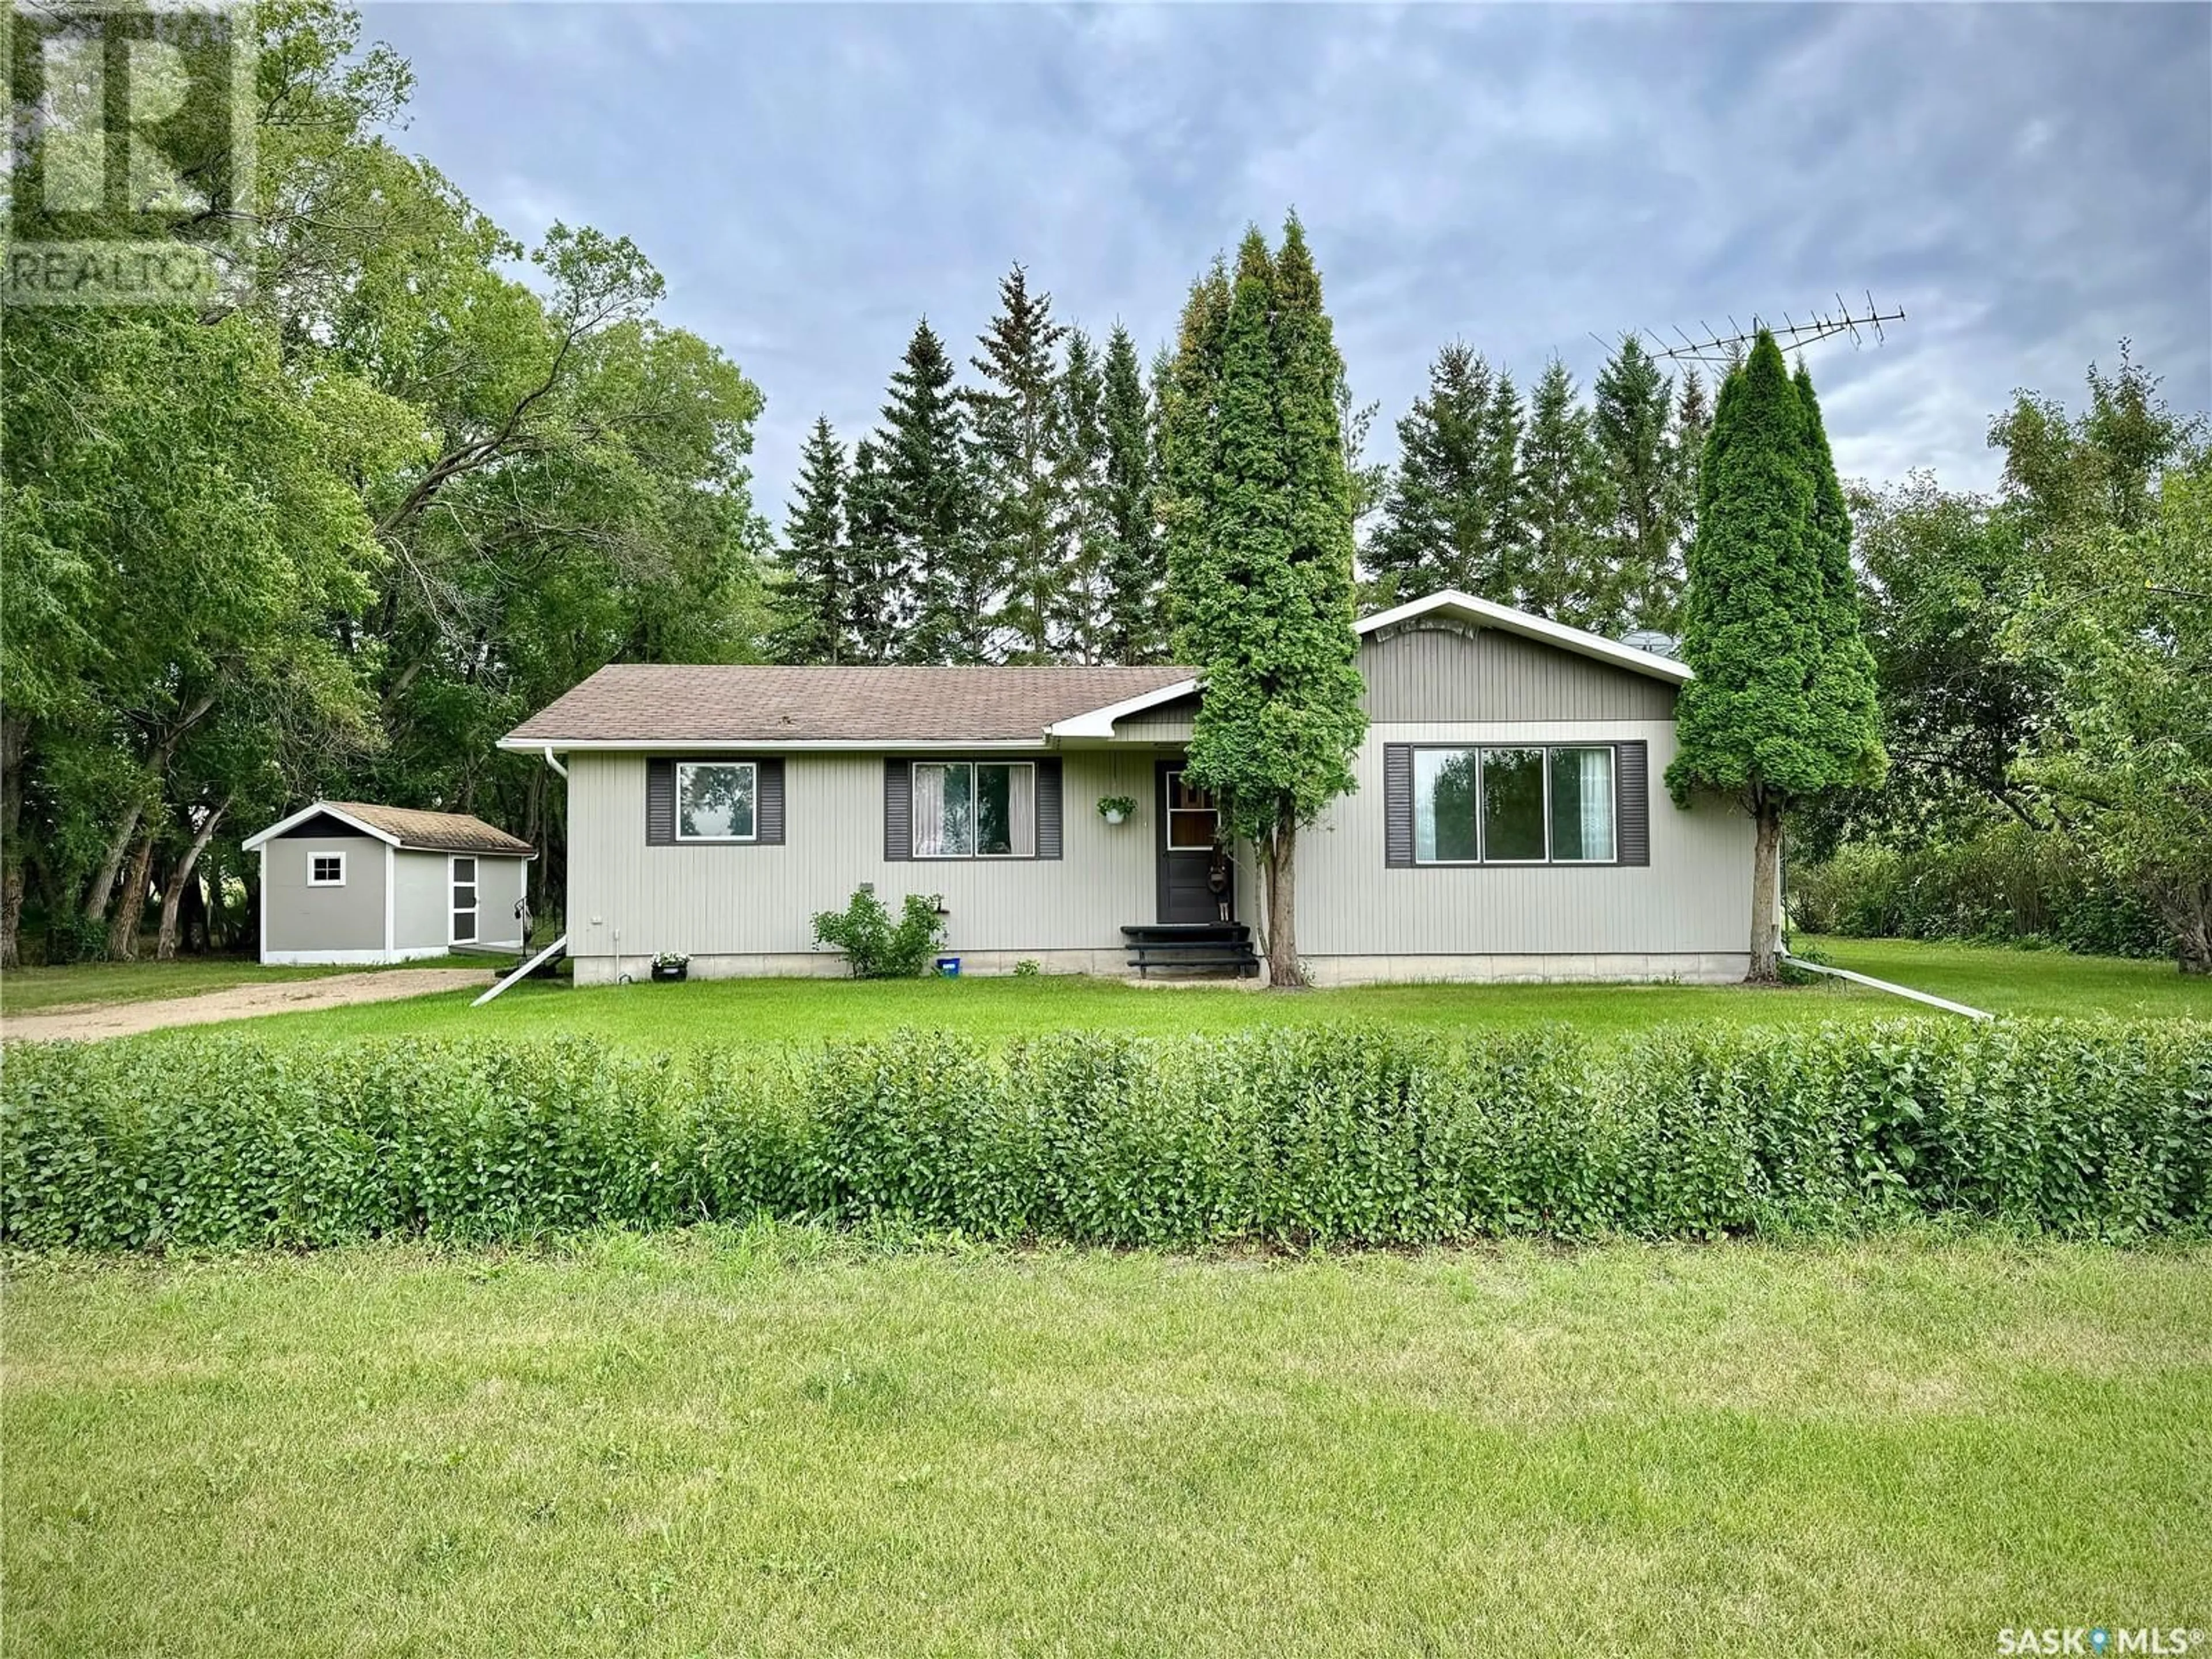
column 776, row 1442
column 30, row 990
column 652, row 1016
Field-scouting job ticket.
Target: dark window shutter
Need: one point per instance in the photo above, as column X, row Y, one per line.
column 898, row 808
column 1398, row 806
column 661, row 803
column 1632, row 798
column 1047, row 809
column 768, row 814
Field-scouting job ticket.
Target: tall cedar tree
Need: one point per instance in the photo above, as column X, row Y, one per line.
column 1453, row 515
column 931, row 498
column 815, row 600
column 1079, row 611
column 879, row 587
column 1015, row 438
column 1261, row 560
column 1563, row 494
column 1783, row 705
column 1633, row 401
column 1136, row 558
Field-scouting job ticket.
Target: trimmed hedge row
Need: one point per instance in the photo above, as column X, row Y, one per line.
column 1347, row 1133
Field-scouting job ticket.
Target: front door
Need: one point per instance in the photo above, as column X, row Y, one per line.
column 1194, row 883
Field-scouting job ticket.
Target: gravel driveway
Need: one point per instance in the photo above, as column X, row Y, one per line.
column 92, row 1020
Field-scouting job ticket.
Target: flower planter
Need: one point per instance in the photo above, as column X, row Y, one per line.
column 671, row 969
column 1112, row 816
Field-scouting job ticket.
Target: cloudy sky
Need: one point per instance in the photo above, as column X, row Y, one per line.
column 2028, row 183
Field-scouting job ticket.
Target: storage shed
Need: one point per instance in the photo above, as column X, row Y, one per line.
column 344, row 882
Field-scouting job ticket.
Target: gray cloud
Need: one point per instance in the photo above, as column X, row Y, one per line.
column 2029, row 183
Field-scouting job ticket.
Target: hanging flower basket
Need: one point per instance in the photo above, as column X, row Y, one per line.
column 1117, row 809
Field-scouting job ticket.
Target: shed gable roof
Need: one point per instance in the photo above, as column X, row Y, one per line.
column 406, row 827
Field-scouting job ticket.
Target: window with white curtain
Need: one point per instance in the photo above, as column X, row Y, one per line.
column 1582, row 807
column 975, row 809
column 1516, row 803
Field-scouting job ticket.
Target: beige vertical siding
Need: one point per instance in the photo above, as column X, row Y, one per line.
column 1693, row 898
column 706, row 901
column 1451, row 671
column 298, row 917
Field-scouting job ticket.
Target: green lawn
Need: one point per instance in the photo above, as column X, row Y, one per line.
column 773, row 1443
column 649, row 1015
column 28, row 990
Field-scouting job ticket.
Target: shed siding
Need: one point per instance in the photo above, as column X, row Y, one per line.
column 499, row 886
column 713, row 901
column 1456, row 672
column 298, row 917
column 418, row 901
column 1694, row 895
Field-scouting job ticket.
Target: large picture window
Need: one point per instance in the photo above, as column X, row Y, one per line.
column 975, row 809
column 1513, row 805
column 715, row 800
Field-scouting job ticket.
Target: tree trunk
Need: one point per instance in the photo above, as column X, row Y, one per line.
column 103, row 882
column 14, row 739
column 2187, row 909
column 1280, row 860
column 1766, row 894
column 172, row 894
column 123, row 932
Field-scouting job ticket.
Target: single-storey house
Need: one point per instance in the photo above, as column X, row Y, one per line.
column 1507, row 822
column 345, row 882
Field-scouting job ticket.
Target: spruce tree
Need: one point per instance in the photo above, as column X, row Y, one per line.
column 931, row 499
column 814, row 601
column 1782, row 707
column 1261, row 560
column 1015, row 440
column 1135, row 562
column 1564, row 498
column 1079, row 611
column 1633, row 401
column 1452, row 517
column 1686, row 448
column 879, row 585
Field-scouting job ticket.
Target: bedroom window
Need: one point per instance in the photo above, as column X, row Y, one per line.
column 1513, row 805
column 975, row 809
column 714, row 800
column 326, row 870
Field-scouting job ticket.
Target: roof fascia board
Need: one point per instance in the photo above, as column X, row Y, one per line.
column 767, row 747
column 1099, row 722
column 306, row 812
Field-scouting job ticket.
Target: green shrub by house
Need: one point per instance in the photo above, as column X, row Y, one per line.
column 1347, row 1134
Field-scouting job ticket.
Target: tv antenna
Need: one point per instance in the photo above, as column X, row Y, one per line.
column 1711, row 347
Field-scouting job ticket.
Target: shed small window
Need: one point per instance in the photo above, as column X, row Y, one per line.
column 326, row 870
column 714, row 800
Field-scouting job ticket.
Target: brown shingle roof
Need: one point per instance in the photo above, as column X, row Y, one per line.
column 643, row 703
column 436, row 832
